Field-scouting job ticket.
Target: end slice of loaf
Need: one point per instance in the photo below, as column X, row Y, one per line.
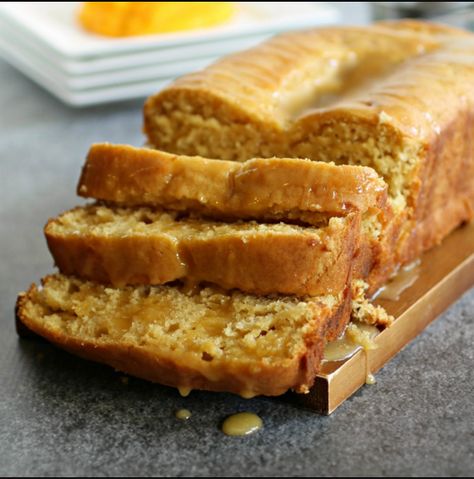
column 123, row 246
column 262, row 189
column 196, row 339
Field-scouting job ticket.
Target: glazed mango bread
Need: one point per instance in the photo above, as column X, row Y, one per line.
column 263, row 189
column 145, row 246
column 190, row 339
column 394, row 96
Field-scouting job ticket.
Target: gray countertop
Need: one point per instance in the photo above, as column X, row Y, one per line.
column 64, row 416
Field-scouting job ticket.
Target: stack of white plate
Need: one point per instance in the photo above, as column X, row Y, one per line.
column 45, row 42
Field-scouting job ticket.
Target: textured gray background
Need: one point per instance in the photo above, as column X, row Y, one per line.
column 60, row 415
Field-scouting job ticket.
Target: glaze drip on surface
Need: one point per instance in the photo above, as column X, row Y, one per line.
column 183, row 414
column 404, row 279
column 347, row 345
column 184, row 391
column 242, row 424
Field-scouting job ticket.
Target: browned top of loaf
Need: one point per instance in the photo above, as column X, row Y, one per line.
column 413, row 76
column 260, row 188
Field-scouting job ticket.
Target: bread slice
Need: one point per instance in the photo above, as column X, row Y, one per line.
column 262, row 189
column 145, row 246
column 201, row 338
column 393, row 96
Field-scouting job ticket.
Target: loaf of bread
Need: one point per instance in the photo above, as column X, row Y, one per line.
column 122, row 246
column 301, row 174
column 199, row 338
column 395, row 96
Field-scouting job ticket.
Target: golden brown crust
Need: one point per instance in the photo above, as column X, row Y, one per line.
column 264, row 189
column 337, row 322
column 446, row 188
column 289, row 260
column 242, row 86
column 185, row 372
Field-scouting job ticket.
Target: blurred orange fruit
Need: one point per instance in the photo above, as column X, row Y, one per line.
column 124, row 19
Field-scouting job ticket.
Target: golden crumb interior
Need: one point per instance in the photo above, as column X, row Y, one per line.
column 205, row 323
column 363, row 310
column 115, row 221
column 185, row 126
column 359, row 143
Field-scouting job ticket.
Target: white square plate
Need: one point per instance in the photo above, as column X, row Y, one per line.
column 93, row 96
column 45, row 42
column 13, row 45
column 164, row 59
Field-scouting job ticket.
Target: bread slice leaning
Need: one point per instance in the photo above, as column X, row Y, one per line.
column 123, row 246
column 261, row 189
column 200, row 338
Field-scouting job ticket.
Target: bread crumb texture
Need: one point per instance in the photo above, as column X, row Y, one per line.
column 206, row 323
